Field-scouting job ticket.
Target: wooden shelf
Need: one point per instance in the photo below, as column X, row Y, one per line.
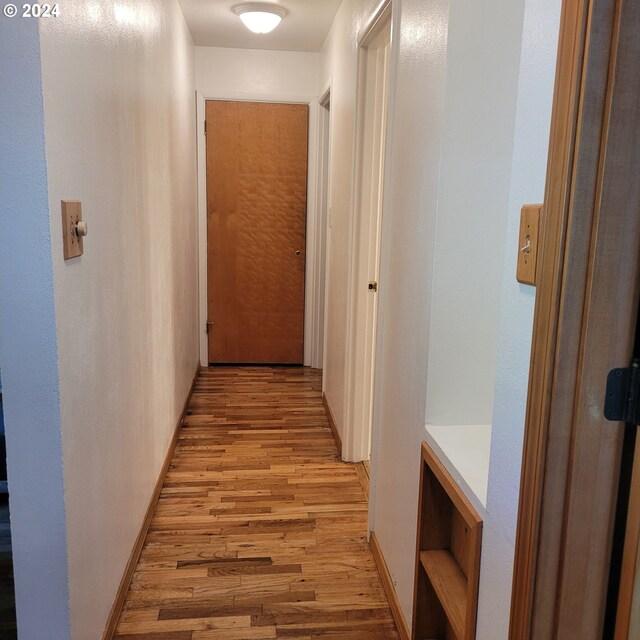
column 450, row 586
column 447, row 557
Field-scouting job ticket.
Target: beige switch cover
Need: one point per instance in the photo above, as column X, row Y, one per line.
column 71, row 241
column 528, row 243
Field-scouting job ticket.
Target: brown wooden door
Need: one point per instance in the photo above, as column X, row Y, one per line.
column 256, row 203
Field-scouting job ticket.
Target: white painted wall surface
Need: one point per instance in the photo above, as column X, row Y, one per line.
column 28, row 345
column 416, row 118
column 533, row 116
column 119, row 97
column 449, row 197
column 475, row 172
column 465, row 451
column 222, row 72
column 406, row 283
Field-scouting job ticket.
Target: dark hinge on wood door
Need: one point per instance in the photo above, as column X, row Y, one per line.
column 205, row 127
column 622, row 396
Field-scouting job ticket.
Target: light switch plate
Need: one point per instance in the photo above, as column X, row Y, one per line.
column 528, row 243
column 71, row 241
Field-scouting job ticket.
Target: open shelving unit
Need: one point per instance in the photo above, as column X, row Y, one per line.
column 447, row 557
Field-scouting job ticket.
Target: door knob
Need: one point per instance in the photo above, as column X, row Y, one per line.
column 81, row 228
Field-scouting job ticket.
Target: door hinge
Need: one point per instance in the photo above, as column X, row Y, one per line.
column 205, row 127
column 373, row 286
column 623, row 391
column 209, row 324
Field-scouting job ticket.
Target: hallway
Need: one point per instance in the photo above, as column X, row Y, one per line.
column 260, row 530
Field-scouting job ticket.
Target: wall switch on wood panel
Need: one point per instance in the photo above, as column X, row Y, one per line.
column 73, row 228
column 528, row 243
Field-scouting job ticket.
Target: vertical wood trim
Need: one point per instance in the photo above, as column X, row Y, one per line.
column 389, row 589
column 583, row 325
column 542, row 350
column 125, row 583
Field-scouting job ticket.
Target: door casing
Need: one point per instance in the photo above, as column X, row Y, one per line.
column 257, row 175
column 584, row 324
column 313, row 248
column 368, row 201
column 318, row 345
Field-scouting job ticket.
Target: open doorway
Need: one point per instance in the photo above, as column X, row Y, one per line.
column 373, row 90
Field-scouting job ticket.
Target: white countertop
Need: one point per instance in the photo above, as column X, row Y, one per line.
column 464, row 450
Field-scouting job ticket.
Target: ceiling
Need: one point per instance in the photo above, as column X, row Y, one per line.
column 304, row 28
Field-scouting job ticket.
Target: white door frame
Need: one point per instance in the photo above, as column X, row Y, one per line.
column 322, row 226
column 361, row 330
column 312, row 336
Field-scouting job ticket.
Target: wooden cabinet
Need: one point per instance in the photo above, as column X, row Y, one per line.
column 447, row 557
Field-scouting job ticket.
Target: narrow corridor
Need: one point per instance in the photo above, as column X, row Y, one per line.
column 260, row 531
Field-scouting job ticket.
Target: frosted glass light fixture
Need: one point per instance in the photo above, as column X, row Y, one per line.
column 260, row 17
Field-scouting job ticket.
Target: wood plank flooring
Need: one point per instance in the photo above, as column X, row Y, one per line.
column 260, row 530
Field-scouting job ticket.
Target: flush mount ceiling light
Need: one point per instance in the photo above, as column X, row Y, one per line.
column 260, row 17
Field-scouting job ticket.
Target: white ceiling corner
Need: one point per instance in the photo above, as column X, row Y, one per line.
column 305, row 27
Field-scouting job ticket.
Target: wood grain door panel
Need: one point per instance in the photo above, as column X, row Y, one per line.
column 256, row 202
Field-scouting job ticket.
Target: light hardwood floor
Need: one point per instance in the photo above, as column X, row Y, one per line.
column 260, row 530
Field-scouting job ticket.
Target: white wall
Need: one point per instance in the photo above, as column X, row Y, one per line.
column 475, row 170
column 222, row 72
column 449, row 197
column 118, row 86
column 416, row 120
column 276, row 76
column 533, row 115
column 28, row 346
column 406, row 284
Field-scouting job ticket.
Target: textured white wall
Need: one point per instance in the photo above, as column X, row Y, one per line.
column 406, row 283
column 475, row 172
column 449, row 197
column 119, row 99
column 533, row 116
column 416, row 120
column 28, row 346
column 224, row 72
